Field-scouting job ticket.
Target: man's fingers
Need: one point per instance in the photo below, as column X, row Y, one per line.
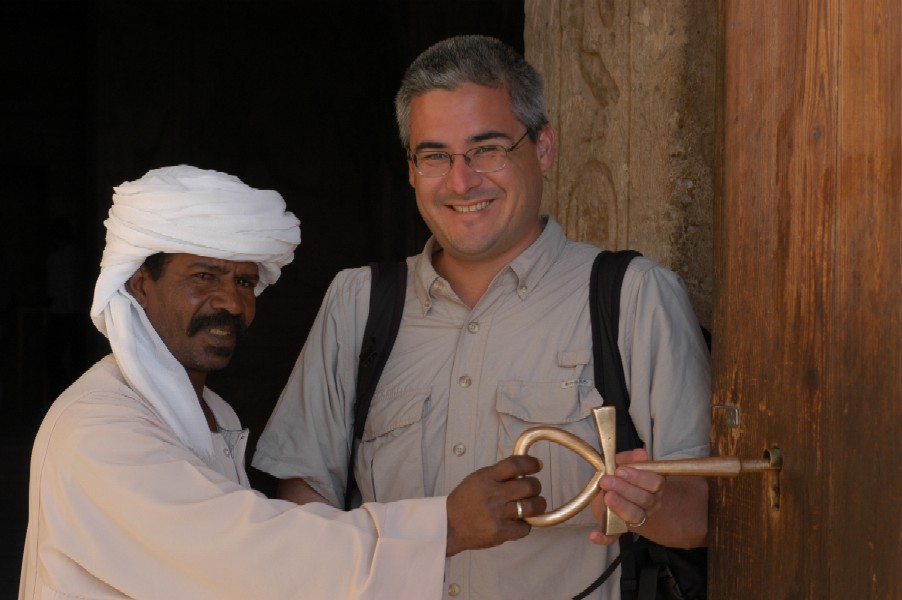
column 600, row 539
column 517, row 529
column 528, row 507
column 521, row 487
column 517, row 512
column 515, row 466
column 632, row 456
column 625, row 509
column 489, row 506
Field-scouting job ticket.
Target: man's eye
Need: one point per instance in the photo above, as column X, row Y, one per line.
column 487, row 151
column 434, row 157
column 247, row 283
column 203, row 276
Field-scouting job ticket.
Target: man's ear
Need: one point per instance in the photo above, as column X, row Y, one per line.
column 411, row 174
column 135, row 286
column 545, row 147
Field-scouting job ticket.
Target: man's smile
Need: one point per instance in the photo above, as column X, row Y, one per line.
column 472, row 207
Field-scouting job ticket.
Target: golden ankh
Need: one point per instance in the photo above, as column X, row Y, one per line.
column 605, row 425
column 605, row 464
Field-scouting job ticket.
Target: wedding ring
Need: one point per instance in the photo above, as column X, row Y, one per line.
column 640, row 523
column 520, row 510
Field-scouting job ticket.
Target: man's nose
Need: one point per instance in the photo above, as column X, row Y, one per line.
column 462, row 178
column 228, row 297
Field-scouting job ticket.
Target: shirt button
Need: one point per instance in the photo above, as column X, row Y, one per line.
column 453, row 590
column 438, row 286
column 226, row 452
column 459, row 449
column 523, row 289
column 464, row 381
column 473, row 327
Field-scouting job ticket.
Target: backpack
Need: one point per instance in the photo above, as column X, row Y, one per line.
column 388, row 288
column 649, row 571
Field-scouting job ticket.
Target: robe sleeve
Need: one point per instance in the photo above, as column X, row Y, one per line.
column 119, row 501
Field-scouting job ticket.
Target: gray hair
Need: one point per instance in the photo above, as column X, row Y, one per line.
column 475, row 59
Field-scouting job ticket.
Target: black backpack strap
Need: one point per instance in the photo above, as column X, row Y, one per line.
column 388, row 289
column 605, row 285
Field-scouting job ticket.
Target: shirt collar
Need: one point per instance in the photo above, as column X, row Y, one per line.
column 527, row 268
column 534, row 262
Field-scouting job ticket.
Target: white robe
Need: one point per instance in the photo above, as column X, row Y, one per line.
column 119, row 507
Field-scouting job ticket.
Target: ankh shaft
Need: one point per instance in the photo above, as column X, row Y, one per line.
column 715, row 466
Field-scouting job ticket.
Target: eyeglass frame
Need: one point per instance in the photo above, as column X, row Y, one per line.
column 467, row 156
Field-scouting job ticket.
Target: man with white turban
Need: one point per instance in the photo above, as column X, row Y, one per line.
column 138, row 487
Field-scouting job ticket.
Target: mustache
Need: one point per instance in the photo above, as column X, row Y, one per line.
column 220, row 319
column 478, row 195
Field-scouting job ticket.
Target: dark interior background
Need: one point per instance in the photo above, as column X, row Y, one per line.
column 294, row 96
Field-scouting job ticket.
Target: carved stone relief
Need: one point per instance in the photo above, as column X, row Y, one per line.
column 630, row 87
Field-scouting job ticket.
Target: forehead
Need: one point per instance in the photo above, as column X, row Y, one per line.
column 187, row 262
column 460, row 114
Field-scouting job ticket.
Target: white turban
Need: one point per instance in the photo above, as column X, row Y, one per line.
column 181, row 210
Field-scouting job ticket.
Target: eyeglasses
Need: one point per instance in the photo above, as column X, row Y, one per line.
column 482, row 159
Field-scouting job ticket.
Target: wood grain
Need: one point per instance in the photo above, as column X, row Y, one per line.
column 807, row 299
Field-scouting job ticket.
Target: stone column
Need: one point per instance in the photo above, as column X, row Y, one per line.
column 631, row 87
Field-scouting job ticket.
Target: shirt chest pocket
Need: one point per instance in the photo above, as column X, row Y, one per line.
column 389, row 463
column 566, row 405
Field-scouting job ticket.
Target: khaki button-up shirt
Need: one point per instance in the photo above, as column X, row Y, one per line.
column 462, row 384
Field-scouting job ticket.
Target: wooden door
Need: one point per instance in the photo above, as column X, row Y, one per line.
column 808, row 303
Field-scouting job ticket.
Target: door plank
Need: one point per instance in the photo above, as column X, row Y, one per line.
column 865, row 460
column 773, row 236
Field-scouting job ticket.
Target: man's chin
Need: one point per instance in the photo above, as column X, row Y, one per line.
column 223, row 352
column 217, row 358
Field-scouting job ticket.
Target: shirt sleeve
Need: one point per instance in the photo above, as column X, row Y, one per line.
column 309, row 432
column 666, row 363
column 128, row 504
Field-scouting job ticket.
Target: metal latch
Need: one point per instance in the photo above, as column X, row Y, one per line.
column 732, row 416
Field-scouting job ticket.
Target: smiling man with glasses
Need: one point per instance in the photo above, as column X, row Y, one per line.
column 494, row 339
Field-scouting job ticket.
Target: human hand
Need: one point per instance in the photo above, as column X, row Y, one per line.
column 482, row 510
column 632, row 494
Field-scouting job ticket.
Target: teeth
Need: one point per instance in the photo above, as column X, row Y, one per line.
column 219, row 332
column 472, row 207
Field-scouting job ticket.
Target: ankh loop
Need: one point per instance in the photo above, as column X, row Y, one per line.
column 605, row 425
